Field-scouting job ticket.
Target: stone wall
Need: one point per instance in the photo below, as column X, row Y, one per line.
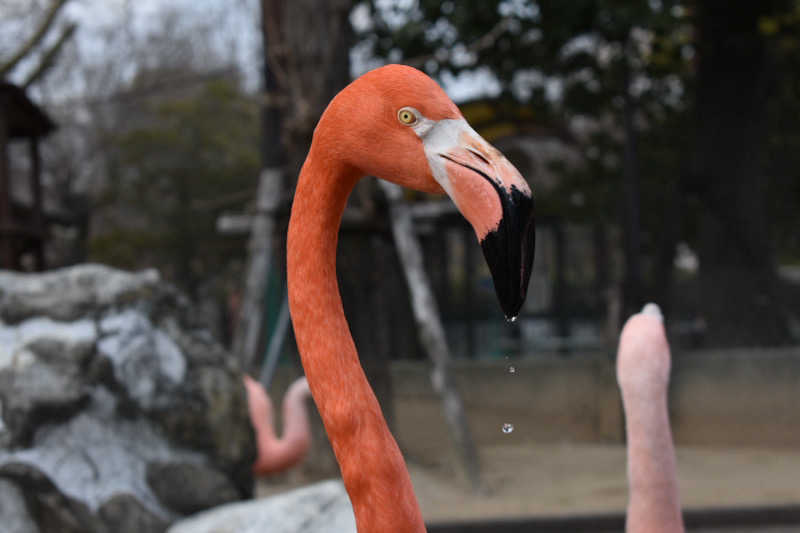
column 737, row 398
column 546, row 399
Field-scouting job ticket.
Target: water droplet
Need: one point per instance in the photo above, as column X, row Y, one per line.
column 508, row 428
column 511, row 319
column 512, row 369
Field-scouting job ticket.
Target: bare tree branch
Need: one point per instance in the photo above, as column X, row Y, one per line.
column 35, row 39
column 49, row 57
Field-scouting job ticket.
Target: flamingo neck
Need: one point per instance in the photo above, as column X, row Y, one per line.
column 279, row 454
column 373, row 469
column 296, row 427
column 654, row 504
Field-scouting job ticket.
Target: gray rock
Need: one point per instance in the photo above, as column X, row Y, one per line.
column 70, row 293
column 96, row 455
column 188, row 488
column 124, row 513
column 319, row 508
column 209, row 400
column 41, row 373
column 145, row 360
column 50, row 508
column 118, row 411
column 14, row 510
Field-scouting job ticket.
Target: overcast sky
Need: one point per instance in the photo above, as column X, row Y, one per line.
column 232, row 36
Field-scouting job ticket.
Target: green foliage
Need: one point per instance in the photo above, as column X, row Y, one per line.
column 595, row 52
column 783, row 150
column 170, row 164
column 592, row 52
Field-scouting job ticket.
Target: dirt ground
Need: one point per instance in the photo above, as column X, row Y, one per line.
column 570, row 479
column 573, row 479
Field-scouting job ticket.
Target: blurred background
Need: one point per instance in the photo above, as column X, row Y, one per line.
column 660, row 139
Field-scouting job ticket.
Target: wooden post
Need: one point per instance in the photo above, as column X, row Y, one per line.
column 431, row 331
column 37, row 220
column 603, row 288
column 6, row 244
column 443, row 281
column 251, row 316
column 468, row 240
column 560, row 289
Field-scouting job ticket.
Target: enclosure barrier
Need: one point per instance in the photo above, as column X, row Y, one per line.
column 716, row 519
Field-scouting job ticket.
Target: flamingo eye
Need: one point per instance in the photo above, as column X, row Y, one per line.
column 407, row 116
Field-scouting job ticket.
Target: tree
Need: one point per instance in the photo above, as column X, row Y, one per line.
column 612, row 65
column 741, row 296
column 33, row 45
column 300, row 76
column 98, row 98
column 782, row 34
column 179, row 155
column 677, row 97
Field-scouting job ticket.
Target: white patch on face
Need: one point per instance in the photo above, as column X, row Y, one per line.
column 439, row 136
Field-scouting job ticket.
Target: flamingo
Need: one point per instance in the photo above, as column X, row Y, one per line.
column 276, row 455
column 395, row 123
column 643, row 366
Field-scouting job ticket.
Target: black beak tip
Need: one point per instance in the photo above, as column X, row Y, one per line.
column 509, row 251
column 510, row 287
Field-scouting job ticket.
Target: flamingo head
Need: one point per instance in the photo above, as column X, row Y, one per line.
column 396, row 123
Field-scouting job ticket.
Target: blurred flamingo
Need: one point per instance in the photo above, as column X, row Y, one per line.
column 398, row 124
column 643, row 366
column 274, row 454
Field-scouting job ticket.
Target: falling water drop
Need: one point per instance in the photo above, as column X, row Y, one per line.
column 507, row 427
column 511, row 319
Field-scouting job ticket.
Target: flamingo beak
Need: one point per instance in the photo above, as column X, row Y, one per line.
column 497, row 202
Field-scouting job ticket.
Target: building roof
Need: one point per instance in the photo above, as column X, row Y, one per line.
column 24, row 118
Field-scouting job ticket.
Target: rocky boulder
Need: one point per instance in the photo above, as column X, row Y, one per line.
column 320, row 508
column 118, row 411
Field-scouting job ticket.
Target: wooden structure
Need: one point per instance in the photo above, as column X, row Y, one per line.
column 22, row 228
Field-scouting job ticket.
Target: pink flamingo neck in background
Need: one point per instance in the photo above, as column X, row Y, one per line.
column 279, row 454
column 643, row 366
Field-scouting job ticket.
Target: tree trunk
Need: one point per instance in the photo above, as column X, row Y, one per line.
column 739, row 290
column 308, row 50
